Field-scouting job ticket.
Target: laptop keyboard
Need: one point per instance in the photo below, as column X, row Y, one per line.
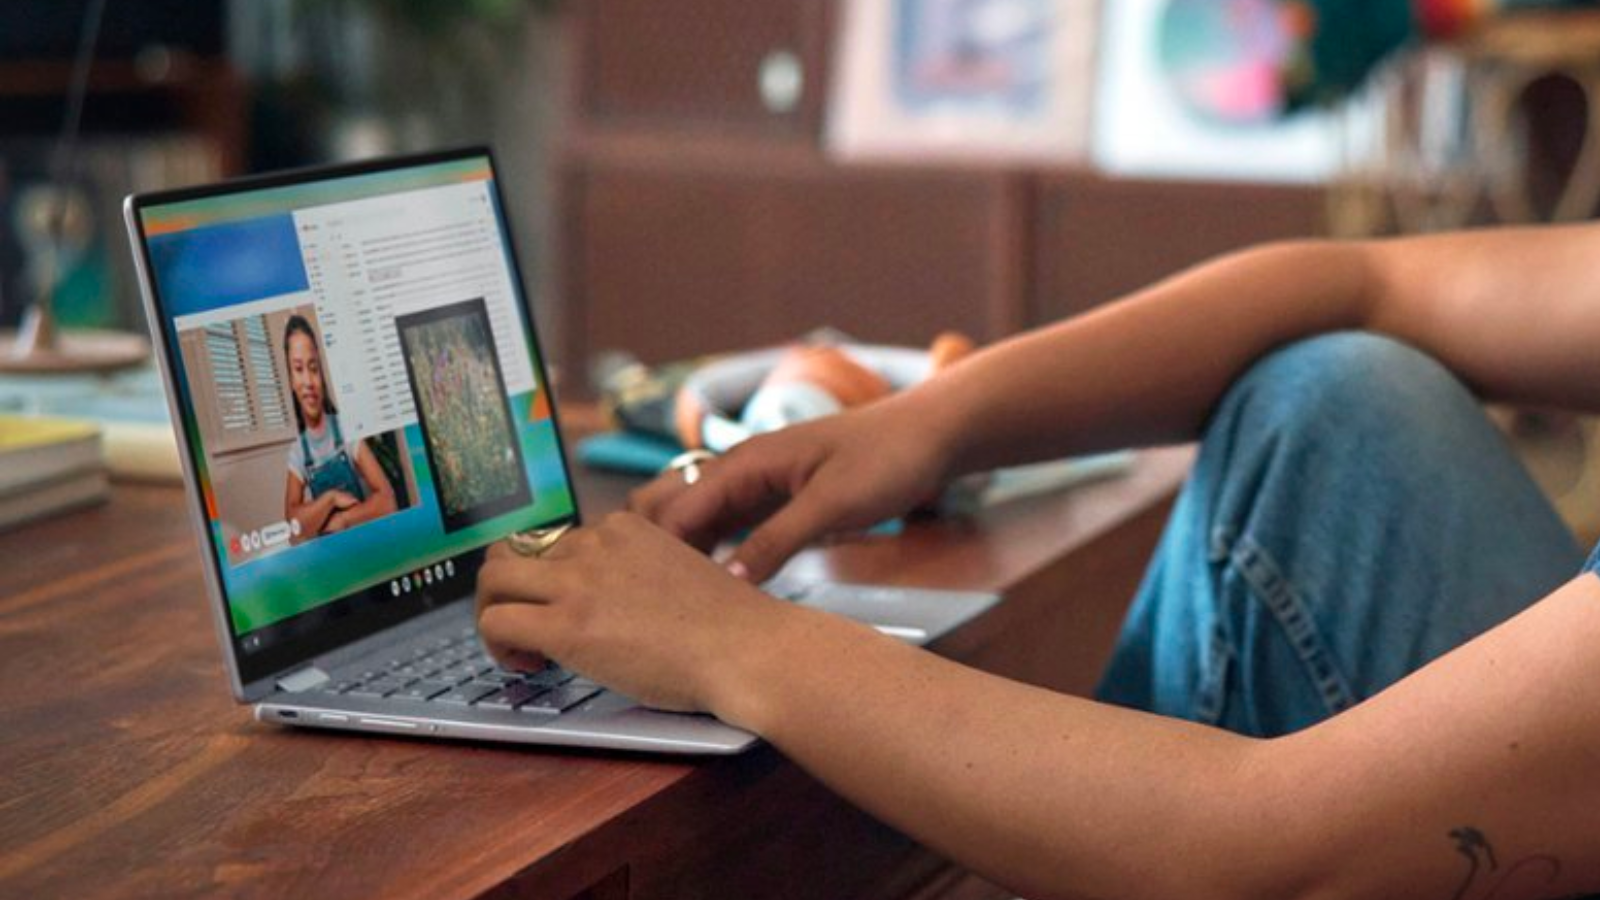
column 455, row 671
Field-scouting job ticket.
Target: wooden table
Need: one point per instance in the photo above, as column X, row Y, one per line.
column 128, row 770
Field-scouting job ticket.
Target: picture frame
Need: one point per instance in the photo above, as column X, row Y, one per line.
column 982, row 80
column 1144, row 129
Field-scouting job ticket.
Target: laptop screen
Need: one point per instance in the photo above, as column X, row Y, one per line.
column 360, row 391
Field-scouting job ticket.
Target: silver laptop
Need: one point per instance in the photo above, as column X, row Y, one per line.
column 362, row 408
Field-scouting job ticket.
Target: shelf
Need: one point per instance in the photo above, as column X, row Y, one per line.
column 49, row 78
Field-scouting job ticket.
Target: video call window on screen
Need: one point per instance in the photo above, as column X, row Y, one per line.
column 285, row 467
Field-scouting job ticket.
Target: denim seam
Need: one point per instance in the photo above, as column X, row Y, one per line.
column 1210, row 699
column 1278, row 595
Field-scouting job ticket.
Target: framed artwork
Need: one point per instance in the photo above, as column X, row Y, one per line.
column 1188, row 89
column 942, row 79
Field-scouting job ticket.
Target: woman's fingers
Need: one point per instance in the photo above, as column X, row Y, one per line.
column 650, row 499
column 732, row 493
column 509, row 577
column 519, row 636
column 806, row 517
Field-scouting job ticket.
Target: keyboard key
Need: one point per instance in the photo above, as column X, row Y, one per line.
column 456, row 674
column 550, row 676
column 423, row 690
column 340, row 687
column 511, row 696
column 467, row 694
column 380, row 688
column 499, row 676
column 496, row 701
column 558, row 699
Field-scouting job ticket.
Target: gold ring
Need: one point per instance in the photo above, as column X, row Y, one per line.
column 537, row 542
column 688, row 464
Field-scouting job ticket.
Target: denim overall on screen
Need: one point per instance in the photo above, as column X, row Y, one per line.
column 337, row 472
column 1352, row 515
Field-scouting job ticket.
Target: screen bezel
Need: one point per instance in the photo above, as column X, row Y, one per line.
column 345, row 620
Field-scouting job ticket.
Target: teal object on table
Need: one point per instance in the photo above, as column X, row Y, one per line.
column 627, row 452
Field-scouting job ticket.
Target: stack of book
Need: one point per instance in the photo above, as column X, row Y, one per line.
column 48, row 466
column 129, row 407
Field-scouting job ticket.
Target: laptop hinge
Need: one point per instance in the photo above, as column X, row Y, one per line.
column 302, row 680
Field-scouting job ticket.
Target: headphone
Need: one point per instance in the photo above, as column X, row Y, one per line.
column 732, row 399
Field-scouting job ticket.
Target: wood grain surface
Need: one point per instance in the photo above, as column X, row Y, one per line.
column 128, row 769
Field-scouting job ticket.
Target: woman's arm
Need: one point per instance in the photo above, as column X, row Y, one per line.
column 380, row 494
column 1515, row 312
column 1058, row 797
column 1474, row 778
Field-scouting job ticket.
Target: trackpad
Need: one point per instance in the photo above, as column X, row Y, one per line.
column 914, row 615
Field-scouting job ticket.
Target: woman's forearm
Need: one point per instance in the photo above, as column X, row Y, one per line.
column 1050, row 795
column 1147, row 369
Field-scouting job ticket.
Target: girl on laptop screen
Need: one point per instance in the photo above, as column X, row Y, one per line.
column 332, row 484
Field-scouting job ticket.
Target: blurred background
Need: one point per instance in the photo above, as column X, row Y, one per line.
column 702, row 175
column 705, row 174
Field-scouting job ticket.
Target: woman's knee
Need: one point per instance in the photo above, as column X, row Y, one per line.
column 1350, row 383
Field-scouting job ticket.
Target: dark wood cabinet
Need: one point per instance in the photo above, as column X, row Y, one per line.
column 683, row 258
column 698, row 64
column 697, row 215
column 1096, row 239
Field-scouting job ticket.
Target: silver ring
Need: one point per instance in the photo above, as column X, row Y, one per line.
column 537, row 542
column 688, row 464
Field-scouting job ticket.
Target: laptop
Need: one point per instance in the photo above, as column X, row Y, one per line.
column 362, row 408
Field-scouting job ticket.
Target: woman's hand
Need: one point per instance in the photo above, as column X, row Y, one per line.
column 842, row 473
column 631, row 607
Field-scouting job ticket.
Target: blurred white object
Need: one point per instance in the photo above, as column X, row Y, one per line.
column 725, row 387
column 776, row 406
column 963, row 79
column 976, row 492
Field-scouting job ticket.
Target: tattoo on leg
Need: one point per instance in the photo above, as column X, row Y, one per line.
column 1484, row 879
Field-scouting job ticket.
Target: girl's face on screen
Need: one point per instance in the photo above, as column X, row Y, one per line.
column 305, row 377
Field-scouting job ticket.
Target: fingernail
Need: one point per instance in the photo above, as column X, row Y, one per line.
column 738, row 570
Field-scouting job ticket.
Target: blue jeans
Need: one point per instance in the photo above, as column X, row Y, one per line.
column 1352, row 515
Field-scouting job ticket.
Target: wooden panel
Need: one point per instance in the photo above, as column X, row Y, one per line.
column 671, row 261
column 697, row 62
column 1096, row 239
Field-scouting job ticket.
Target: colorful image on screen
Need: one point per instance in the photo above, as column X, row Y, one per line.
column 460, row 397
